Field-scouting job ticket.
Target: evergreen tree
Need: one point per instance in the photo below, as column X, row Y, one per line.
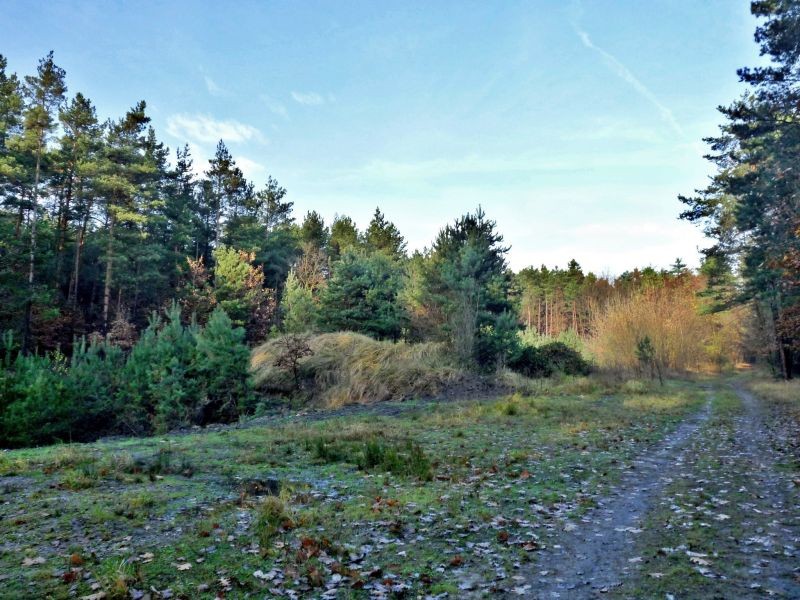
column 223, row 365
column 121, row 181
column 239, row 290
column 77, row 160
column 344, row 236
column 313, row 232
column 362, row 295
column 226, row 196
column 468, row 280
column 752, row 207
column 44, row 93
column 299, row 309
column 383, row 236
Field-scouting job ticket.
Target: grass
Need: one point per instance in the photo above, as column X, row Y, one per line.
column 418, row 499
column 349, row 368
column 778, row 391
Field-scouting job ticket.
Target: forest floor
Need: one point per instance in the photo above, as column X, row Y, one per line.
column 584, row 491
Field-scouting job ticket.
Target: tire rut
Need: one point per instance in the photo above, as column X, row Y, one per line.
column 778, row 497
column 595, row 556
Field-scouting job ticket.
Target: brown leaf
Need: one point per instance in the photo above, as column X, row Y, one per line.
column 315, row 578
column 69, row 576
column 530, row 546
column 456, row 561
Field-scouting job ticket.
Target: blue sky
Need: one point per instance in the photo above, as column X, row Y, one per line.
column 575, row 125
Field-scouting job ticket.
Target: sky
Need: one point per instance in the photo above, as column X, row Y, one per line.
column 574, row 125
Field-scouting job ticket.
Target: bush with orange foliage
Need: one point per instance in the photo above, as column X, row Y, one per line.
column 683, row 335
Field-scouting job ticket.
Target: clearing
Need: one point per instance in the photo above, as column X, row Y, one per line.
column 578, row 490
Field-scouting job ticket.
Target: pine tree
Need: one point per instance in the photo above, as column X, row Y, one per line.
column 226, row 190
column 751, row 209
column 313, row 232
column 383, row 236
column 362, row 295
column 299, row 310
column 344, row 236
column 44, row 93
column 76, row 162
column 468, row 280
column 223, row 366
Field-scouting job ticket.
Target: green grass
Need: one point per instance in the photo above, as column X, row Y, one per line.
column 421, row 499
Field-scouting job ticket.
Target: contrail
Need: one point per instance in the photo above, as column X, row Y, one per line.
column 624, row 73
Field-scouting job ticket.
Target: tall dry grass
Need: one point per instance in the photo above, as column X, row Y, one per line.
column 349, row 368
column 778, row 391
column 684, row 338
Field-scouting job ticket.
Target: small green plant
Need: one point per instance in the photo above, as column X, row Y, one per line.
column 634, row 386
column 405, row 459
column 79, row 479
column 327, row 451
column 646, row 355
column 272, row 515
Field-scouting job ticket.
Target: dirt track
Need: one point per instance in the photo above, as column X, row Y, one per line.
column 607, row 551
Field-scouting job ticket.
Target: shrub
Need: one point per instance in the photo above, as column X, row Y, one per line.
column 174, row 375
column 159, row 384
column 682, row 335
column 549, row 359
column 497, row 341
column 222, row 364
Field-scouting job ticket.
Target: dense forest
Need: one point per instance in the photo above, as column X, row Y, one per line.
column 133, row 281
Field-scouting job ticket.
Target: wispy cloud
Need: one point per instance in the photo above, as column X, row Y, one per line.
column 626, row 75
column 275, row 107
column 205, row 129
column 213, row 88
column 249, row 167
column 308, row 98
column 440, row 169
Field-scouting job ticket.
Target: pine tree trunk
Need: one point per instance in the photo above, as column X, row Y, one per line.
column 109, row 271
column 539, row 316
column 26, row 331
column 63, row 222
column 779, row 348
column 72, row 294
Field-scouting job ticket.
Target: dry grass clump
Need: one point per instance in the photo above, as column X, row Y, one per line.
column 597, row 383
column 349, row 368
column 778, row 391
